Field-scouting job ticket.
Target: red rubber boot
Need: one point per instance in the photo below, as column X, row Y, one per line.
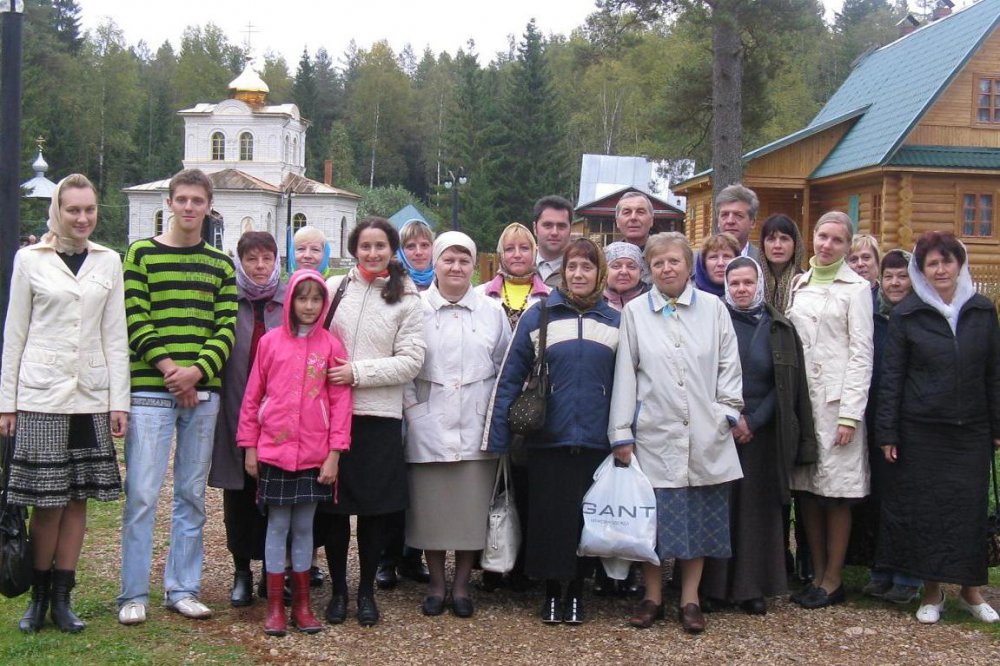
column 302, row 615
column 276, row 623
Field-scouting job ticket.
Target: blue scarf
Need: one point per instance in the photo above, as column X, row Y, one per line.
column 422, row 279
column 703, row 282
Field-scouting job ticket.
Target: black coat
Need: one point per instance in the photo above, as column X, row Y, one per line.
column 793, row 416
column 939, row 403
column 931, row 375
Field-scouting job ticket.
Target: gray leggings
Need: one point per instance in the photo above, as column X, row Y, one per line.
column 298, row 519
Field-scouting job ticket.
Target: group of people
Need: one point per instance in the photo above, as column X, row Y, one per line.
column 865, row 388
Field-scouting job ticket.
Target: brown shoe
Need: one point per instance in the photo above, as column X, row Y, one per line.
column 691, row 619
column 645, row 614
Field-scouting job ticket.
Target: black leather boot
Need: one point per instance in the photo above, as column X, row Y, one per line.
column 63, row 581
column 34, row 617
column 242, row 593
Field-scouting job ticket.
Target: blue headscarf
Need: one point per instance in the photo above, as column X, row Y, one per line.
column 424, row 278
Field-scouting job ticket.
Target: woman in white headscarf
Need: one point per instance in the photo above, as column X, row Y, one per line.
column 938, row 424
column 773, row 434
column 64, row 388
column 451, row 480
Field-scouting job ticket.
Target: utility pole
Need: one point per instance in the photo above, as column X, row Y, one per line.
column 12, row 19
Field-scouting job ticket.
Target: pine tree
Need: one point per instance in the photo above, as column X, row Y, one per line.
column 531, row 155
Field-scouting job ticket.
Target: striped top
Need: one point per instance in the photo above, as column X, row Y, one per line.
column 180, row 303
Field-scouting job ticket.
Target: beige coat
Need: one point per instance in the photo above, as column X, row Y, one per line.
column 446, row 405
column 385, row 343
column 677, row 378
column 65, row 341
column 835, row 325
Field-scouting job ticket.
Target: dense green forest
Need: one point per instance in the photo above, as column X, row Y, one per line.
column 626, row 82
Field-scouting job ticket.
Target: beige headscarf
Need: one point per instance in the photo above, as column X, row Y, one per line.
column 58, row 235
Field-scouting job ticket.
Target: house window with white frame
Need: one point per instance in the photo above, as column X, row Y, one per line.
column 978, row 209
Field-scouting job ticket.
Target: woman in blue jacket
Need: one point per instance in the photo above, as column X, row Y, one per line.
column 582, row 339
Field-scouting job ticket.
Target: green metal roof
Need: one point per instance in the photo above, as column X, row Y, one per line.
column 813, row 128
column 900, row 81
column 948, row 157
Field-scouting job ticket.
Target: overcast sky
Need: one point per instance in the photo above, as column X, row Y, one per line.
column 286, row 26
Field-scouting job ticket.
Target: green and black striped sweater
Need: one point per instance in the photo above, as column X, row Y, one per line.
column 180, row 303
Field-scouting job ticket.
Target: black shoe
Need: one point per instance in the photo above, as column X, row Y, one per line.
column 34, row 616
column 819, row 598
column 573, row 610
column 631, row 587
column 603, row 585
column 754, row 606
column 336, row 610
column 490, row 581
column 367, row 612
column 804, row 569
column 432, row 606
column 462, row 607
column 316, row 577
column 63, row 582
column 242, row 592
column 797, row 597
column 552, row 612
column 385, row 576
column 413, row 567
column 713, row 605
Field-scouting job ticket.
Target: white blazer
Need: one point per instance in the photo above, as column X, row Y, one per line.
column 65, row 340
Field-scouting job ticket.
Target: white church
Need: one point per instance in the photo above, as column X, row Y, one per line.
column 255, row 155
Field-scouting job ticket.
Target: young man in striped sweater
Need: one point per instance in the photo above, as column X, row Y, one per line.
column 180, row 303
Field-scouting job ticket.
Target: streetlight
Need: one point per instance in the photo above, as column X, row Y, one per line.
column 453, row 183
column 10, row 142
column 289, row 250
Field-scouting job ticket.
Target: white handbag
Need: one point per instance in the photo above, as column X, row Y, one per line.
column 503, row 536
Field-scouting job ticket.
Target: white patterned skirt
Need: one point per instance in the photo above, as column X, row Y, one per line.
column 63, row 457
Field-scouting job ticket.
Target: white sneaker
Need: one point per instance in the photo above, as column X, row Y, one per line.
column 982, row 612
column 133, row 612
column 931, row 613
column 190, row 607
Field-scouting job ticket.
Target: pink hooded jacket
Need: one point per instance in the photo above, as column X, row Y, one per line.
column 291, row 414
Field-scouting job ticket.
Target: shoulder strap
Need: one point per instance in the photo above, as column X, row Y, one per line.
column 543, row 327
column 337, row 297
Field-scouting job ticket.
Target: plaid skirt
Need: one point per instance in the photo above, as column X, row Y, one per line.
column 692, row 522
column 281, row 487
column 63, row 457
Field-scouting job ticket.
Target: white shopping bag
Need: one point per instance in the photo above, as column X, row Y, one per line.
column 619, row 518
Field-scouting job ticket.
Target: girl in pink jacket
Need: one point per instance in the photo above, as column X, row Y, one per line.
column 293, row 425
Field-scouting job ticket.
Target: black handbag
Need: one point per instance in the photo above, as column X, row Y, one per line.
column 993, row 526
column 16, row 562
column 527, row 412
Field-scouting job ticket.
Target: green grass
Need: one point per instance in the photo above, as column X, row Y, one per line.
column 165, row 639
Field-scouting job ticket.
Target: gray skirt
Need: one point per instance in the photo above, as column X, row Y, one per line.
column 449, row 504
column 63, row 457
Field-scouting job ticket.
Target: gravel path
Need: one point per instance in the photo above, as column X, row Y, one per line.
column 505, row 629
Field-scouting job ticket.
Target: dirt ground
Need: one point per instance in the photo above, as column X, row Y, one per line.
column 506, row 629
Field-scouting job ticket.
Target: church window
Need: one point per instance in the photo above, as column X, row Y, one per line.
column 218, row 146
column 246, row 147
column 298, row 221
column 158, row 222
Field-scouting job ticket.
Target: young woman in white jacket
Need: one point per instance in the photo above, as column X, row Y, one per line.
column 451, row 480
column 379, row 319
column 64, row 391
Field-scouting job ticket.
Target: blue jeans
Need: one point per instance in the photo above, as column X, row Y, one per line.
column 147, row 454
column 897, row 578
